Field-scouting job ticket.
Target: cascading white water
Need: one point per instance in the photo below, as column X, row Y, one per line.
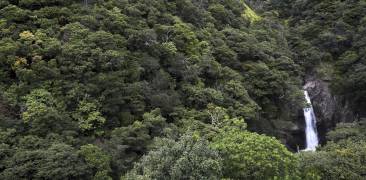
column 312, row 140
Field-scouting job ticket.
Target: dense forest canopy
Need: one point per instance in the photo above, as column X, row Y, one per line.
column 177, row 89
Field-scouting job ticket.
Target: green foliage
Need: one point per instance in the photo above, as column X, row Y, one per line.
column 97, row 159
column 251, row 156
column 335, row 37
column 187, row 158
column 7, row 136
column 250, row 14
column 14, row 13
column 59, row 161
column 43, row 113
column 344, row 160
column 354, row 131
column 199, row 96
column 88, row 116
column 118, row 74
column 127, row 144
column 220, row 119
column 170, row 48
column 115, row 53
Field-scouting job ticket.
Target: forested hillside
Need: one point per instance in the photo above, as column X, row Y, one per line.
column 179, row 89
column 331, row 41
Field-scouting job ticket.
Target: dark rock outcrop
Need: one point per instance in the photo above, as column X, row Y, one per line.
column 329, row 109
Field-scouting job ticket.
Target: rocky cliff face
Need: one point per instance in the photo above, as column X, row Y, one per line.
column 329, row 109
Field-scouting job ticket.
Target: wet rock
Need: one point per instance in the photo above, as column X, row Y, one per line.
column 329, row 109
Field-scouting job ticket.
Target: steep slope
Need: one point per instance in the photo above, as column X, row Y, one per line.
column 328, row 38
column 116, row 73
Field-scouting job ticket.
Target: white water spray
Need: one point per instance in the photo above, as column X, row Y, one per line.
column 310, row 121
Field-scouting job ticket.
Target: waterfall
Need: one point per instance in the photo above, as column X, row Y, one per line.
column 310, row 121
